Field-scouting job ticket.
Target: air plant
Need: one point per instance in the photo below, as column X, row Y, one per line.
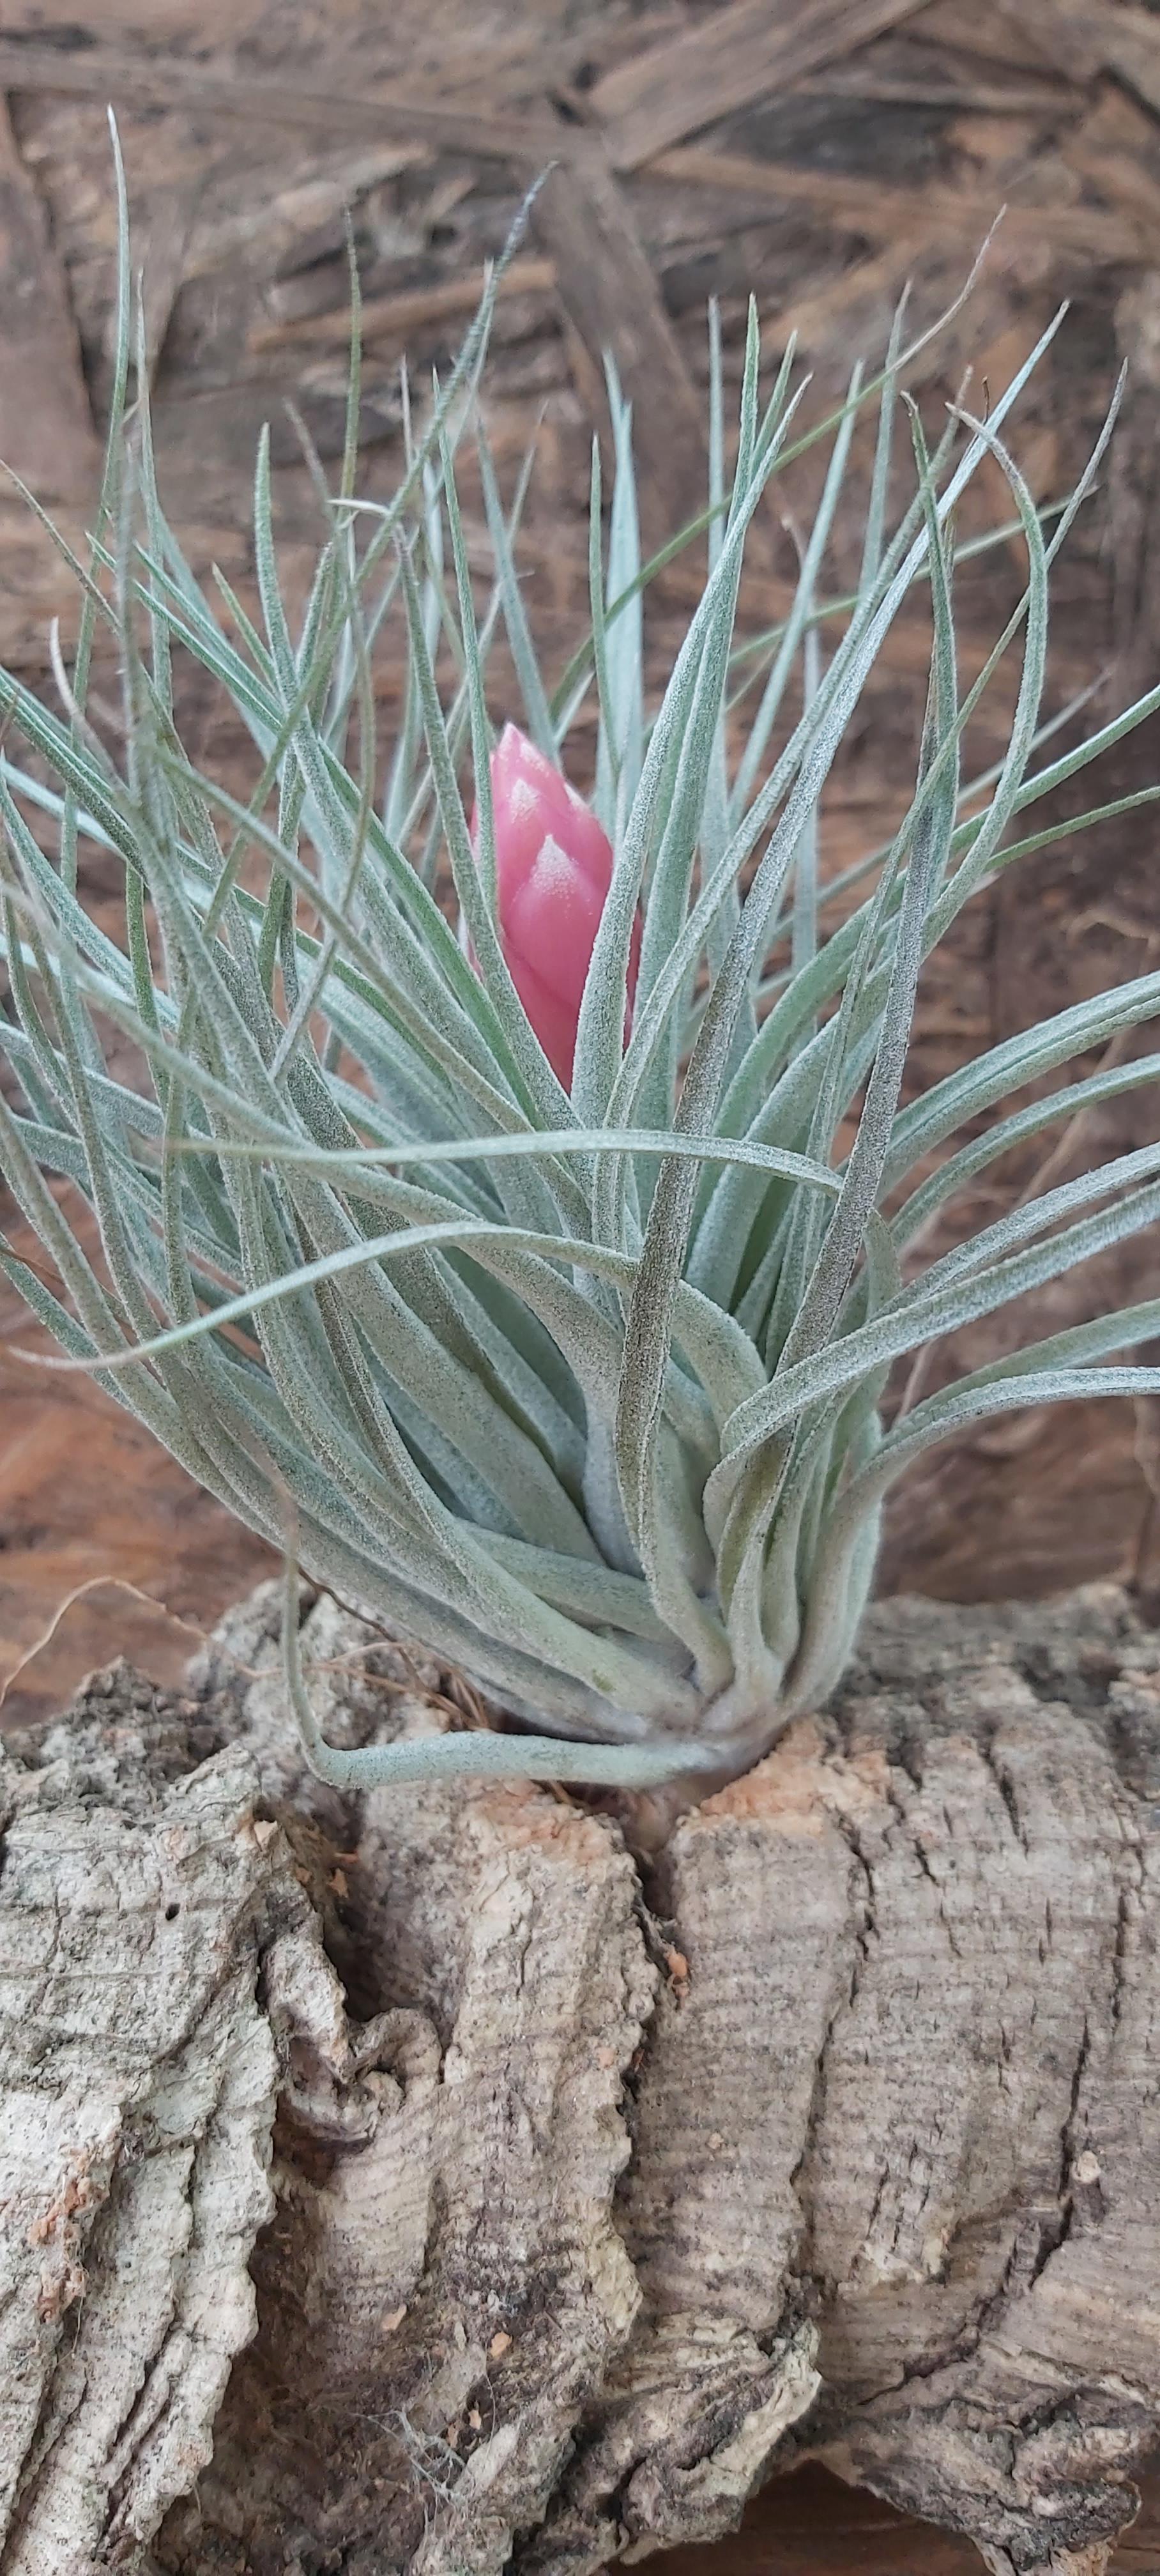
column 525, row 1246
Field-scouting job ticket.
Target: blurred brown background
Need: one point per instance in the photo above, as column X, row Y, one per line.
column 820, row 153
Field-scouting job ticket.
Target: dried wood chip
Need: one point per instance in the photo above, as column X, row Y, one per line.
column 985, row 32
column 1114, row 148
column 1132, row 51
column 613, row 302
column 1087, row 37
column 733, row 58
column 46, row 427
column 162, row 255
column 882, row 212
column 386, row 315
column 167, row 80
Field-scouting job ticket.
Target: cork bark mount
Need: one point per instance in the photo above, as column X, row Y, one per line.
column 424, row 2183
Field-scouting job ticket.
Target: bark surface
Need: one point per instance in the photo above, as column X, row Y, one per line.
column 422, row 2182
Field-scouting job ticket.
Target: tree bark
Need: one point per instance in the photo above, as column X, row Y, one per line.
column 423, row 2182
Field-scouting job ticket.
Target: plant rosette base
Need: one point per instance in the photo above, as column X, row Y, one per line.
column 422, row 2181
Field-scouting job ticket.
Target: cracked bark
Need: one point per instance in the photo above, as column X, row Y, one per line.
column 418, row 2182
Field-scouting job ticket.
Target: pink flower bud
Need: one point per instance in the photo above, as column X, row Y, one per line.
column 553, row 870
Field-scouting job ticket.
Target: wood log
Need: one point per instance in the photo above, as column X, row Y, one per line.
column 483, row 2195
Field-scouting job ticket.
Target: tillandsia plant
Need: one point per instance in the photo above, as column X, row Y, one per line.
column 480, row 1226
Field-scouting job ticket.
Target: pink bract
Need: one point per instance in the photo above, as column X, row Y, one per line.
column 553, row 870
